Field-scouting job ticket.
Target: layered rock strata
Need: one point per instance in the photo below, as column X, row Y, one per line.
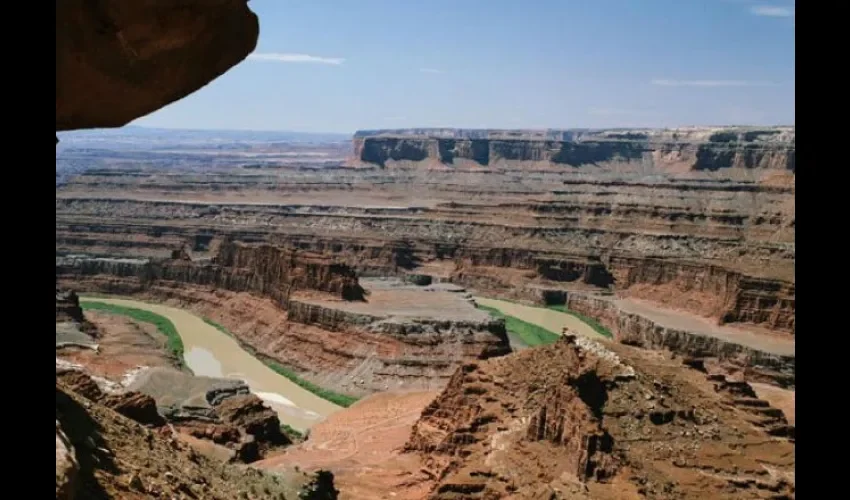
column 773, row 361
column 497, row 230
column 571, row 420
column 714, row 243
column 349, row 351
column 263, row 269
column 670, row 150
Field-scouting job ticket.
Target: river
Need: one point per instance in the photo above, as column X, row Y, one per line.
column 554, row 321
column 209, row 352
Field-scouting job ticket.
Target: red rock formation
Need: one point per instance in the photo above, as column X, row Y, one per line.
column 266, row 270
column 487, row 408
column 708, row 290
column 133, row 405
column 635, row 329
column 252, row 416
column 136, row 406
column 577, row 420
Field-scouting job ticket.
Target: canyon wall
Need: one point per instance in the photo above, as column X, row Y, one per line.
column 262, row 269
column 714, row 291
column 637, row 329
column 663, row 150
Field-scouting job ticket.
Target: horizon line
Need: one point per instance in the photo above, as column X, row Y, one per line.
column 530, row 129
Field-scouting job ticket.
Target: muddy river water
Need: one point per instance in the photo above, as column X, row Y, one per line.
column 554, row 321
column 209, row 352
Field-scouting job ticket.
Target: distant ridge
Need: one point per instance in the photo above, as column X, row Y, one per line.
column 131, row 132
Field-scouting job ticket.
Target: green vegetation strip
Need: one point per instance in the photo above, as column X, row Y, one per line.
column 338, row 399
column 165, row 327
column 334, row 397
column 597, row 327
column 592, row 323
column 292, row 432
column 531, row 334
column 218, row 327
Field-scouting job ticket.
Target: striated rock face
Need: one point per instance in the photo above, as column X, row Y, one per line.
column 634, row 329
column 577, row 420
column 117, row 61
column 664, row 150
column 718, row 244
column 713, row 291
column 286, row 269
column 485, row 409
column 262, row 269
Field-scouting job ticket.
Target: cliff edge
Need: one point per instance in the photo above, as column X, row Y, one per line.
column 639, row 150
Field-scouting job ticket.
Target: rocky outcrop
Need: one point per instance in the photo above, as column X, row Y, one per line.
column 220, row 410
column 485, row 410
column 741, row 394
column 119, row 458
column 135, row 406
column 662, row 150
column 490, row 331
column 79, row 382
column 68, row 306
column 250, row 415
column 117, row 61
column 577, row 420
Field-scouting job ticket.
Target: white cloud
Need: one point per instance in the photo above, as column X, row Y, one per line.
column 430, row 70
column 295, row 58
column 708, row 83
column 772, row 11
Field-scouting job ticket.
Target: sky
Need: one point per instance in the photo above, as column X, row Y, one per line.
column 344, row 65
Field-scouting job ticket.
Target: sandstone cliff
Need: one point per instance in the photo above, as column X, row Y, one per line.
column 673, row 150
column 768, row 362
column 266, row 270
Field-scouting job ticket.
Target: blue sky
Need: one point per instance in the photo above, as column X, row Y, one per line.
column 343, row 65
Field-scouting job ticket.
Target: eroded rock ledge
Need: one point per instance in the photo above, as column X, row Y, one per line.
column 117, row 61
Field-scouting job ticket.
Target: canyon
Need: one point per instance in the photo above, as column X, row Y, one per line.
column 353, row 270
column 713, row 243
column 360, row 276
